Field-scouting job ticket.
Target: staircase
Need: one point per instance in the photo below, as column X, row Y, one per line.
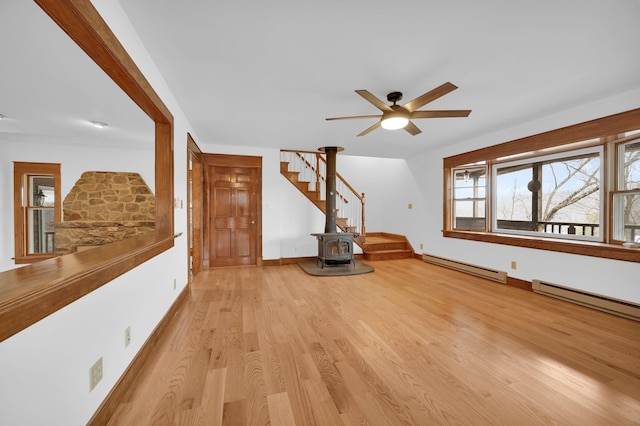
column 384, row 246
column 306, row 170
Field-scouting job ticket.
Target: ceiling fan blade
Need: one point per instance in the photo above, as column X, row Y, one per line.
column 370, row 129
column 441, row 113
column 353, row 117
column 375, row 101
column 412, row 128
column 430, row 96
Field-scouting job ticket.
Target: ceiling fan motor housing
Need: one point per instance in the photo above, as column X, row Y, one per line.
column 394, row 97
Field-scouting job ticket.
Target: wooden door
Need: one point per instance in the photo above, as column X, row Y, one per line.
column 234, row 214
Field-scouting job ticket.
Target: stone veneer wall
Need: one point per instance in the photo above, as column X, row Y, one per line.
column 104, row 207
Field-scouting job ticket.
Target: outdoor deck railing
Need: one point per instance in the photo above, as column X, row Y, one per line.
column 632, row 232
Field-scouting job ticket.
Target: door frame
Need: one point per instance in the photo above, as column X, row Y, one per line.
column 194, row 207
column 225, row 160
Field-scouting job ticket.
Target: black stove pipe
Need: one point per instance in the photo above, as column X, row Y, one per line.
column 331, row 215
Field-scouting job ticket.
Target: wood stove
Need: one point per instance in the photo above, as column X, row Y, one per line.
column 334, row 248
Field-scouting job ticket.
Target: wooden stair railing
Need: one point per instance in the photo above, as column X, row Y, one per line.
column 306, row 170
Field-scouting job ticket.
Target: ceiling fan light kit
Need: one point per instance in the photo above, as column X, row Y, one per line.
column 394, row 120
column 399, row 117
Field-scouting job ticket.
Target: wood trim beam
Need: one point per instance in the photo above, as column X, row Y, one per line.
column 164, row 178
column 224, row 160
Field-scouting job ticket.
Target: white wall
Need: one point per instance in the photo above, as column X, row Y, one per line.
column 608, row 277
column 44, row 370
column 389, row 188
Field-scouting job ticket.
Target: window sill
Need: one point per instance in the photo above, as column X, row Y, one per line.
column 583, row 248
column 23, row 260
column 30, row 293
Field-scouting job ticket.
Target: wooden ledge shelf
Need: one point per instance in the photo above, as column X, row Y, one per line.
column 31, row 293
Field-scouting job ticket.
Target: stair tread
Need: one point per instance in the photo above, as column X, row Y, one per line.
column 381, row 240
column 389, row 251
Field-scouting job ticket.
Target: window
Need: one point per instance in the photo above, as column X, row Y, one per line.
column 469, row 199
column 556, row 194
column 626, row 197
column 626, row 218
column 574, row 189
column 36, row 207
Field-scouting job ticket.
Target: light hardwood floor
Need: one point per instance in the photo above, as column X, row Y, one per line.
column 411, row 343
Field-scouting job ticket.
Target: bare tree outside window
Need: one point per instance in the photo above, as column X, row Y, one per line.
column 558, row 195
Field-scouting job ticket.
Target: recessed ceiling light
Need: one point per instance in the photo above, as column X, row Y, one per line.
column 99, row 124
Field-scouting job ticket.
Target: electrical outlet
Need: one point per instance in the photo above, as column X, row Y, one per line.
column 174, row 283
column 421, row 247
column 95, row 374
column 514, row 265
column 127, row 336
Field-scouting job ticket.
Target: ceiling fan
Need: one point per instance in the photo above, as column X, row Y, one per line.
column 399, row 117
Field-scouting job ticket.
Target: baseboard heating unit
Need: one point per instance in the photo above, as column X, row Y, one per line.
column 591, row 300
column 480, row 271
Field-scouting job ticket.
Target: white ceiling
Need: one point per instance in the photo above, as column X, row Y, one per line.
column 267, row 74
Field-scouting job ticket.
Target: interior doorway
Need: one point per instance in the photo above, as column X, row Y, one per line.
column 195, row 207
column 233, row 210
